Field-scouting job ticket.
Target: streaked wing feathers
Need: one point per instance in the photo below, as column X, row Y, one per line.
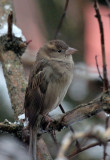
column 35, row 93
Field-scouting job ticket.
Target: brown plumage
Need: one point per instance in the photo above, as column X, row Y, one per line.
column 49, row 80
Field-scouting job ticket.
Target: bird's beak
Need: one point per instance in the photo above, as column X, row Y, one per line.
column 70, row 51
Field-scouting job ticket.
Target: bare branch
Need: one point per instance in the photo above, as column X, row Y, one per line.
column 10, row 23
column 23, row 134
column 81, row 112
column 98, row 16
column 62, row 18
column 84, row 148
column 69, row 138
column 11, row 128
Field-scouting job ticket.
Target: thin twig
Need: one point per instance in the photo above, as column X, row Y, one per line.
column 10, row 23
column 83, row 149
column 55, row 141
column 98, row 16
column 104, row 152
column 105, row 146
column 98, row 69
column 62, row 18
column 69, row 138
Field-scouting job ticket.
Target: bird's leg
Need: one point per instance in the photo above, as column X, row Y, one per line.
column 47, row 118
column 62, row 109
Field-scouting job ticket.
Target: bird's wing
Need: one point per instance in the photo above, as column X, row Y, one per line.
column 35, row 92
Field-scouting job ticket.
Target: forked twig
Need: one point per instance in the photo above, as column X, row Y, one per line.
column 85, row 148
column 98, row 68
column 62, row 18
column 98, row 16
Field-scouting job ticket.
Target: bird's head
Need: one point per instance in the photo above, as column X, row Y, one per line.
column 57, row 49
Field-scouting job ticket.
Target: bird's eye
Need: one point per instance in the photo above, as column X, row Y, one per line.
column 59, row 50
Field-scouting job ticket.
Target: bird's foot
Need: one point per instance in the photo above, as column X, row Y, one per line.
column 48, row 119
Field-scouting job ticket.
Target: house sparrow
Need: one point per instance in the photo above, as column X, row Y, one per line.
column 49, row 81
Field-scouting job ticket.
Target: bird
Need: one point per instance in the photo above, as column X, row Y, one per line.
column 49, row 80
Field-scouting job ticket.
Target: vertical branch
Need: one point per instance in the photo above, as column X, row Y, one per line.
column 16, row 83
column 10, row 23
column 12, row 68
column 98, row 16
column 62, row 18
column 98, row 69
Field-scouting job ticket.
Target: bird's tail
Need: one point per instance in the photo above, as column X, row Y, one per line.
column 33, row 138
column 33, row 143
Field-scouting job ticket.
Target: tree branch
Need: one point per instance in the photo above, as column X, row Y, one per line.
column 62, row 18
column 10, row 51
column 16, row 83
column 98, row 16
column 11, row 128
column 81, row 112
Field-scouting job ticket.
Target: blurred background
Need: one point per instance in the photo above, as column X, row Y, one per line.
column 38, row 20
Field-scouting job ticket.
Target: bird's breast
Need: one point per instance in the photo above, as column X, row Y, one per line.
column 58, row 86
